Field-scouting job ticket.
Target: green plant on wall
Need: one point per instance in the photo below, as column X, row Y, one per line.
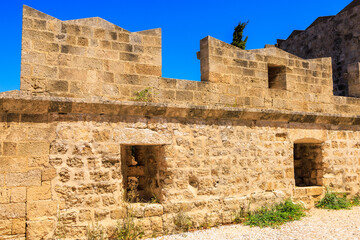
column 275, row 215
column 182, row 221
column 95, row 232
column 145, row 95
column 334, row 200
column 127, row 229
column 238, row 40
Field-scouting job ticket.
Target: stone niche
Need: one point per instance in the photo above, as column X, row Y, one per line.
column 277, row 76
column 308, row 164
column 141, row 172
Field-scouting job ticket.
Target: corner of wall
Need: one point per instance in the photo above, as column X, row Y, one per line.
column 84, row 57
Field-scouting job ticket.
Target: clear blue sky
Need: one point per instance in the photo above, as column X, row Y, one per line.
column 183, row 24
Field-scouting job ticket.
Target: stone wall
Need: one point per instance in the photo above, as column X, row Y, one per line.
column 331, row 36
column 79, row 147
column 71, row 58
column 68, row 166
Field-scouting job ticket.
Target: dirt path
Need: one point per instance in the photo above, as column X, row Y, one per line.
column 319, row 224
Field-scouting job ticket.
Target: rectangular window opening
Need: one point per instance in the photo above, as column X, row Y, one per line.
column 308, row 164
column 277, row 77
column 140, row 169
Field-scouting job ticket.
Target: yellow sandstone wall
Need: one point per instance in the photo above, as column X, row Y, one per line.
column 62, row 172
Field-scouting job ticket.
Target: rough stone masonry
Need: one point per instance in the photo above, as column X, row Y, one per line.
column 95, row 133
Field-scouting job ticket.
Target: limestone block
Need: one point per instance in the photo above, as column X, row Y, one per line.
column 118, row 213
column 12, row 210
column 12, row 164
column 101, row 136
column 314, row 191
column 5, row 227
column 153, row 210
column 45, row 46
column 42, row 192
column 18, row 226
column 101, row 214
column 156, row 224
column 39, row 229
column 48, row 174
column 72, row 74
column 38, row 161
column 144, row 69
column 68, row 217
column 18, row 195
column 136, row 209
column 33, row 148
column 30, row 178
column 9, row 148
column 232, row 203
column 144, row 223
column 85, row 215
column 4, row 195
column 43, row 208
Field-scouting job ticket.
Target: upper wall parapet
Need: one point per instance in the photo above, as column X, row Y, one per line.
column 72, row 58
column 267, row 69
column 89, row 58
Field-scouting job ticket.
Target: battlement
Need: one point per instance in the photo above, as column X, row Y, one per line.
column 91, row 57
column 85, row 57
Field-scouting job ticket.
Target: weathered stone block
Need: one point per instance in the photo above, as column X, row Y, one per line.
column 38, row 161
column 85, row 215
column 30, row 178
column 43, row 208
column 18, row 195
column 9, row 148
column 12, row 210
column 31, row 57
column 156, row 224
column 5, row 227
column 13, row 164
column 184, row 96
column 148, row 70
column 118, row 213
column 48, row 174
column 44, row 71
column 18, row 226
column 72, row 74
column 101, row 214
column 4, row 195
column 38, row 35
column 45, row 46
column 153, row 210
column 39, row 229
column 58, row 86
column 33, row 148
column 136, row 210
column 42, row 192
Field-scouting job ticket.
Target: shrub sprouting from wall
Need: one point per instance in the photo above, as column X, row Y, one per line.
column 275, row 215
column 238, row 40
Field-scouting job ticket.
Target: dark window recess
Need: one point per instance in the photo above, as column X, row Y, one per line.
column 308, row 164
column 277, row 77
column 140, row 169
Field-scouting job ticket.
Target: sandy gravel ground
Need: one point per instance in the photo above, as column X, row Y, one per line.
column 319, row 224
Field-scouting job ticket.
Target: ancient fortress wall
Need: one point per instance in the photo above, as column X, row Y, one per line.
column 336, row 37
column 261, row 126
